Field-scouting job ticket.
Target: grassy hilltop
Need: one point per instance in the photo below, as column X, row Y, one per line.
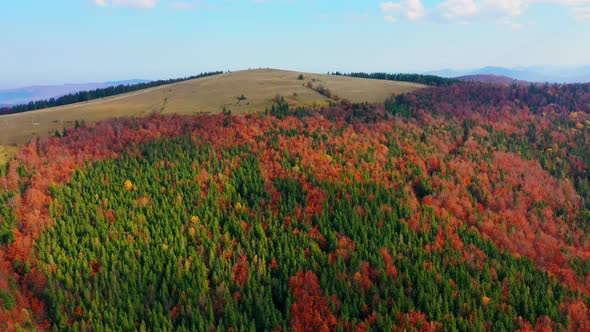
column 208, row 94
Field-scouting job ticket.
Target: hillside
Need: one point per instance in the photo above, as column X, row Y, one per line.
column 463, row 207
column 205, row 95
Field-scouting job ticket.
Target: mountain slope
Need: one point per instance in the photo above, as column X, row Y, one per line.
column 210, row 94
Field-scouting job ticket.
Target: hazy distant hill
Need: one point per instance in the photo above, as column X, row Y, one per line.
column 499, row 79
column 552, row 74
column 38, row 92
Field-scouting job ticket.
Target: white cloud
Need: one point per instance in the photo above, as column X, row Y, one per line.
column 458, row 9
column 100, row 3
column 390, row 19
column 465, row 11
column 126, row 3
column 411, row 9
column 504, row 8
column 181, row 5
column 582, row 13
column 135, row 3
column 565, row 2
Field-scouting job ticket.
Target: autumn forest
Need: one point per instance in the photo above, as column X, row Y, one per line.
column 456, row 207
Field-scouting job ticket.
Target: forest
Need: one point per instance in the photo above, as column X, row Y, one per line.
column 83, row 96
column 458, row 207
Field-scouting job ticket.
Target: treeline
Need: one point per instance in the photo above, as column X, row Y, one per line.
column 414, row 78
column 83, row 96
column 465, row 99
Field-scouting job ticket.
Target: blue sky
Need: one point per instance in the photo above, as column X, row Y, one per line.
column 59, row 41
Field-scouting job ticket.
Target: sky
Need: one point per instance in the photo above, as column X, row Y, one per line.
column 75, row 41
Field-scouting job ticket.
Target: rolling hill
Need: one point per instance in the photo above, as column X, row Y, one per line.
column 205, row 95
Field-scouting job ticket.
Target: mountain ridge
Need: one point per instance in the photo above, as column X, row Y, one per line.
column 491, row 78
column 22, row 95
column 536, row 74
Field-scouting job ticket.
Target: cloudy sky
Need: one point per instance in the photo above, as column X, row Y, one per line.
column 59, row 41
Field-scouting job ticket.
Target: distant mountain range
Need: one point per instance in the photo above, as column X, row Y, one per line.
column 9, row 97
column 489, row 78
column 551, row 74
